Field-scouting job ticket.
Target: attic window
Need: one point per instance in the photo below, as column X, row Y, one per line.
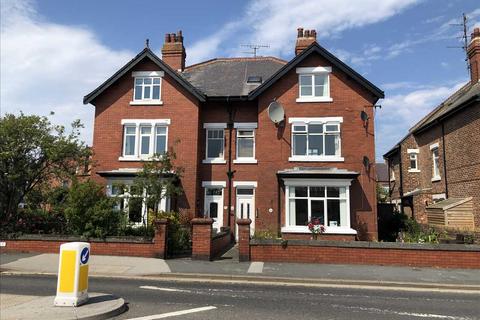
column 147, row 88
column 254, row 79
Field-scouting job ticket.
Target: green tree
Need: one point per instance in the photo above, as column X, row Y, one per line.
column 33, row 154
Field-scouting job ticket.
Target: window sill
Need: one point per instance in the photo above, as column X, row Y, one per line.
column 146, row 103
column 214, row 161
column 245, row 161
column 314, row 99
column 315, row 159
column 413, row 170
column 328, row 230
column 392, row 180
column 434, row 179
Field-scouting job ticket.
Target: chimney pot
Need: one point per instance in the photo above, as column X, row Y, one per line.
column 473, row 52
column 304, row 39
column 307, row 33
column 167, row 37
column 313, row 33
column 299, row 32
column 173, row 51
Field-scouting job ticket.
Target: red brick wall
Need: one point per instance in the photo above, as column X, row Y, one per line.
column 220, row 244
column 308, row 236
column 372, row 256
column 244, row 239
column 201, row 238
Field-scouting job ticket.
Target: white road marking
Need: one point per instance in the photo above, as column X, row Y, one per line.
column 255, row 267
column 163, row 289
column 174, row 314
column 402, row 313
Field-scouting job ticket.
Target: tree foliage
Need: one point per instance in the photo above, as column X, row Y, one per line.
column 34, row 154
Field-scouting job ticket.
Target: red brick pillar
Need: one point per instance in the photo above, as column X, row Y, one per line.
column 244, row 239
column 202, row 238
column 160, row 238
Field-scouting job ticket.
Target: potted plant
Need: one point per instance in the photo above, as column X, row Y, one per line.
column 315, row 227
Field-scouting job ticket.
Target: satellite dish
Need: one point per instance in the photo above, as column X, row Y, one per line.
column 276, row 112
column 364, row 116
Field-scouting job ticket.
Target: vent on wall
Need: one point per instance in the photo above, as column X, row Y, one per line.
column 254, row 79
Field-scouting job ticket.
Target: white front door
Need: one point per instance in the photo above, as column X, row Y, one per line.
column 245, row 207
column 214, row 206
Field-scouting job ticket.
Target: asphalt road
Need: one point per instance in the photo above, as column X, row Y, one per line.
column 250, row 301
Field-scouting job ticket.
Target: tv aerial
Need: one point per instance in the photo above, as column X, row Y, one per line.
column 276, row 113
column 254, row 48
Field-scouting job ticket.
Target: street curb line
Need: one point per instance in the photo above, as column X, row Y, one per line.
column 281, row 281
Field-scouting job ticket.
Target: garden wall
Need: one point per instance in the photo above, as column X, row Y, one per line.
column 363, row 252
column 125, row 246
column 205, row 245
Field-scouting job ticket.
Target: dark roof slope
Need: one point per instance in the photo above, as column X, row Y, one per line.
column 315, row 47
column 228, row 76
column 382, row 172
column 139, row 57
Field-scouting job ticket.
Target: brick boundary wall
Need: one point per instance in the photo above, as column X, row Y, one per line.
column 205, row 245
column 369, row 253
column 244, row 239
column 128, row 246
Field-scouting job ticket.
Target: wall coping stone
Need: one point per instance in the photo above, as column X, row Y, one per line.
column 67, row 238
column 202, row 221
column 243, row 222
column 220, row 234
column 367, row 245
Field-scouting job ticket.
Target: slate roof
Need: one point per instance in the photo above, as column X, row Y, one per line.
column 382, row 172
column 449, row 203
column 223, row 77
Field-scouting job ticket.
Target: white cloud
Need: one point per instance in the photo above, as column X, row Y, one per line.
column 274, row 22
column 50, row 67
column 401, row 111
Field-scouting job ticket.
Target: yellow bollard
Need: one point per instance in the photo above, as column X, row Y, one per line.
column 72, row 284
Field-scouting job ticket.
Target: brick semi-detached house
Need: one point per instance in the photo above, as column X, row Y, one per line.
column 435, row 168
column 237, row 162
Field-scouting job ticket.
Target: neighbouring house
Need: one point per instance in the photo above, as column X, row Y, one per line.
column 237, row 162
column 383, row 181
column 435, row 168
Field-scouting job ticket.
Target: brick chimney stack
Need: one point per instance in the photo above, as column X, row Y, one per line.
column 304, row 39
column 474, row 56
column 173, row 51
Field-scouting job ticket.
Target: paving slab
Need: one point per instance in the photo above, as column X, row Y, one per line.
column 99, row 306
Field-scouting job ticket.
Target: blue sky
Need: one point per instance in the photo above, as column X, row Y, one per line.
column 53, row 52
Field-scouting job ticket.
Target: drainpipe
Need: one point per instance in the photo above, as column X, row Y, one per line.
column 230, row 173
column 444, row 160
column 400, row 188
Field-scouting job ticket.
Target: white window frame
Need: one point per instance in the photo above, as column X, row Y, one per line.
column 309, row 71
column 392, row 172
column 245, row 126
column 346, row 229
column 138, row 123
column 434, row 148
column 323, row 121
column 214, row 126
column 413, row 156
column 142, row 75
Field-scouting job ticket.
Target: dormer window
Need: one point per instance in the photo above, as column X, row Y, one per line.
column 314, row 84
column 147, row 88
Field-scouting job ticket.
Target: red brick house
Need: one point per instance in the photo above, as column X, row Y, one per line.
column 237, row 162
column 436, row 165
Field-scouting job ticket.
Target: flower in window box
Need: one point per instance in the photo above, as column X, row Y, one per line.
column 316, row 227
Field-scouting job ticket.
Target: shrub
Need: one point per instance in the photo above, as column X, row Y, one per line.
column 178, row 232
column 265, row 234
column 417, row 233
column 90, row 213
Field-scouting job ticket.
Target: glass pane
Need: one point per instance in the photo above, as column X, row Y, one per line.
column 129, row 145
column 156, row 80
column 161, row 130
column 333, row 213
column 320, row 91
column 315, row 145
column 343, row 213
column 214, row 191
column 135, row 209
column 320, row 79
column 160, row 146
column 245, row 148
column 305, row 91
column 333, row 192
column 315, row 128
column 306, row 80
column 318, row 208
column 413, row 164
column 300, row 128
column 245, row 133
column 213, row 210
column 343, row 192
column 130, row 130
column 146, row 130
column 156, row 93
column 331, row 128
column 317, row 192
column 145, row 149
column 300, row 209
column 146, row 93
column 138, row 92
column 147, row 80
column 215, row 148
column 138, row 80
column 298, row 191
column 220, row 133
column 299, row 144
column 245, row 191
column 331, row 144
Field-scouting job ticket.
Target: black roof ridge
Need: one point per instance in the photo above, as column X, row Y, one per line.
column 315, row 47
column 142, row 54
